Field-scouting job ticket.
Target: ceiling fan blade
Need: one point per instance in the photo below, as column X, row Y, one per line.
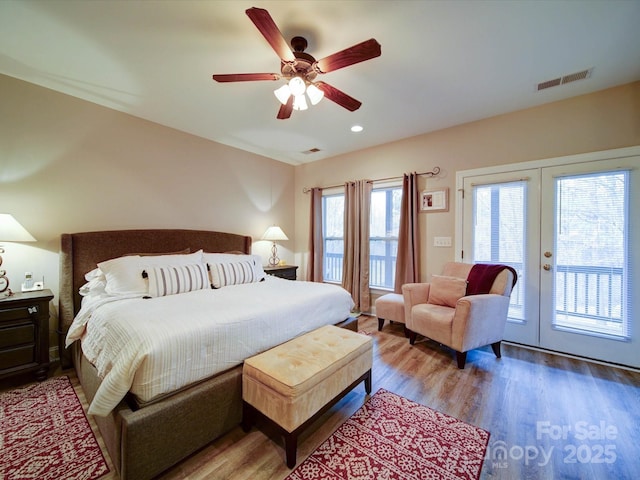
column 245, row 77
column 285, row 110
column 263, row 21
column 358, row 53
column 341, row 98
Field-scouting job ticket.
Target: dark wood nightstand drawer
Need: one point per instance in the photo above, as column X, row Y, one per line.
column 17, row 335
column 11, row 315
column 287, row 272
column 24, row 334
column 17, row 357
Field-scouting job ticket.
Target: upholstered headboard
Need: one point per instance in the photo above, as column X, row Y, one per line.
column 81, row 252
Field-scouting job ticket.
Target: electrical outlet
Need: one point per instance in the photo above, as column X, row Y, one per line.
column 441, row 241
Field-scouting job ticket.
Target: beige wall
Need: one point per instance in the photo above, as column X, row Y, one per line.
column 604, row 120
column 67, row 165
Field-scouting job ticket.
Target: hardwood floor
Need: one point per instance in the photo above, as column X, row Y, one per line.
column 550, row 417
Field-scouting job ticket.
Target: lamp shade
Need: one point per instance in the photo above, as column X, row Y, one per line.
column 297, row 86
column 299, row 102
column 283, row 93
column 315, row 94
column 12, row 231
column 274, row 233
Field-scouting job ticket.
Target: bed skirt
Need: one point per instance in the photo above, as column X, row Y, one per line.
column 143, row 443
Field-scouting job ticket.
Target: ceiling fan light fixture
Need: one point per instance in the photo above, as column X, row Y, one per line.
column 301, row 68
column 299, row 102
column 297, row 86
column 283, row 93
column 315, row 94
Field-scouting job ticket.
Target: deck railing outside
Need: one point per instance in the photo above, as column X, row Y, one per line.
column 580, row 290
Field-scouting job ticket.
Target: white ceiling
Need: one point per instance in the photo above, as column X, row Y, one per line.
column 443, row 63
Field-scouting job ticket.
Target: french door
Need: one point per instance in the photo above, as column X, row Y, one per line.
column 569, row 230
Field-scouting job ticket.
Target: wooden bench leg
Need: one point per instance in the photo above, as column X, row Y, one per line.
column 291, row 438
column 291, row 447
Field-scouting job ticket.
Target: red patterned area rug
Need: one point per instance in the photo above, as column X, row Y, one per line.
column 44, row 434
column 391, row 437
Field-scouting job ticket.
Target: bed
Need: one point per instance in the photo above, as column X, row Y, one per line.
column 144, row 438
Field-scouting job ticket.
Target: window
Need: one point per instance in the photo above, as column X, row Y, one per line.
column 333, row 236
column 384, row 224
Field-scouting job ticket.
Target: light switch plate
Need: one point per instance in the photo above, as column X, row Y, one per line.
column 441, row 241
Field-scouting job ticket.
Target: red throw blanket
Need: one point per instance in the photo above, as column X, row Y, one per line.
column 482, row 276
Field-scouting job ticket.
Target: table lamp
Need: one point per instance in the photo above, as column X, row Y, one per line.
column 10, row 231
column 274, row 233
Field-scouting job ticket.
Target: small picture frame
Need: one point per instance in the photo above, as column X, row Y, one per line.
column 434, row 200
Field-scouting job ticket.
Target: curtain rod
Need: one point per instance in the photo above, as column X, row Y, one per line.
column 432, row 173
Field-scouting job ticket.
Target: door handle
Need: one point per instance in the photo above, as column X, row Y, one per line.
column 546, row 266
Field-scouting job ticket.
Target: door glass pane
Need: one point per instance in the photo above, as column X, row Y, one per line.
column 499, row 233
column 590, row 252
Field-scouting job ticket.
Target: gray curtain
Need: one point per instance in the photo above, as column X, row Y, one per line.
column 407, row 261
column 355, row 270
column 314, row 262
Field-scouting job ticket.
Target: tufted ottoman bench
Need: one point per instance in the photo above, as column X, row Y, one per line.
column 296, row 382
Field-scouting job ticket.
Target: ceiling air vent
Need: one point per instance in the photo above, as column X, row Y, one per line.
column 572, row 77
column 549, row 83
column 311, row 150
column 576, row 76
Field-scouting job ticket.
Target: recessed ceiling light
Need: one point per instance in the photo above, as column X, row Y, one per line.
column 357, row 128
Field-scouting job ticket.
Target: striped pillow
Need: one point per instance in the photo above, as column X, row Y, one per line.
column 170, row 280
column 232, row 273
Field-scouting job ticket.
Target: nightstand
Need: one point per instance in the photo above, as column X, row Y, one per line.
column 283, row 271
column 24, row 334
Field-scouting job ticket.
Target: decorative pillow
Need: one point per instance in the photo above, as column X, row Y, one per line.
column 124, row 274
column 228, row 257
column 446, row 291
column 223, row 274
column 173, row 279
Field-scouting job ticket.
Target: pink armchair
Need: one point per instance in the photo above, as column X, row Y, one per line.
column 442, row 310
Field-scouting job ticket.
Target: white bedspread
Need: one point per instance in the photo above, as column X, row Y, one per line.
column 157, row 345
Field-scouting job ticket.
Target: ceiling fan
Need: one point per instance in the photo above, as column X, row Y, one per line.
column 300, row 69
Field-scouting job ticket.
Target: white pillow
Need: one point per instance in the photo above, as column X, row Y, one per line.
column 95, row 286
column 256, row 260
column 174, row 259
column 96, row 283
column 93, row 274
column 170, row 280
column 124, row 274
